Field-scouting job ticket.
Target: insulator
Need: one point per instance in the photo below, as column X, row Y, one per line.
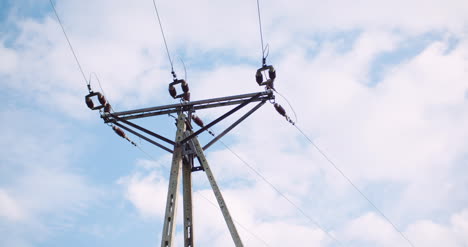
column 89, row 102
column 172, row 91
column 184, row 86
column 102, row 99
column 107, row 108
column 280, row 109
column 259, row 77
column 119, row 132
column 186, row 96
column 198, row 121
column 272, row 73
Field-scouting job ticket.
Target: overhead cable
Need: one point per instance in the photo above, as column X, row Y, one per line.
column 261, row 32
column 299, row 209
column 354, row 186
column 69, row 43
column 164, row 37
column 282, row 112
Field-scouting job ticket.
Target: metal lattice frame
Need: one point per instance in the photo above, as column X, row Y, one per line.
column 185, row 148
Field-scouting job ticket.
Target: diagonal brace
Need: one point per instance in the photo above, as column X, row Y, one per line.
column 144, row 130
column 227, row 114
column 143, row 137
column 234, row 125
column 219, row 197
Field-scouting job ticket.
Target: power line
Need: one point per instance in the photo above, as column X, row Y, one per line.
column 283, row 195
column 344, row 175
column 237, row 222
column 290, row 106
column 354, row 186
column 261, row 31
column 99, row 82
column 69, row 43
column 164, row 37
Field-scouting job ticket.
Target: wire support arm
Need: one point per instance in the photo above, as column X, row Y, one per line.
column 234, row 124
column 144, row 137
column 186, row 106
column 227, row 114
column 117, row 119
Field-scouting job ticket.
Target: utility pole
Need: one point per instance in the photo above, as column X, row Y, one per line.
column 185, row 149
column 186, row 146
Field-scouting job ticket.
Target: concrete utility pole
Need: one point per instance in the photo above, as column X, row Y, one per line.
column 185, row 148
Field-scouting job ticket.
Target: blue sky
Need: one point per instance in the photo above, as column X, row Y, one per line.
column 380, row 86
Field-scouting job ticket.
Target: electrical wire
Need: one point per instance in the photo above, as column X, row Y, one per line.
column 237, row 222
column 290, row 106
column 261, row 32
column 354, row 186
column 146, row 153
column 342, row 173
column 99, row 82
column 164, row 37
column 69, row 43
column 301, row 211
column 185, row 69
column 278, row 191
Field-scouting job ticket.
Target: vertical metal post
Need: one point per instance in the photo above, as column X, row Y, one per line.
column 168, row 233
column 219, row 197
column 188, row 212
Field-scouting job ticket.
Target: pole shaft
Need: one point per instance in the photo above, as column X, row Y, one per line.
column 168, row 233
column 188, row 210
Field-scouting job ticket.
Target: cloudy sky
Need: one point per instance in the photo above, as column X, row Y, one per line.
column 380, row 86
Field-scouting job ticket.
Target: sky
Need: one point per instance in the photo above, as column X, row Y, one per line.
column 379, row 86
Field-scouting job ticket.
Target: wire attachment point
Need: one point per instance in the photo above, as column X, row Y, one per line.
column 268, row 82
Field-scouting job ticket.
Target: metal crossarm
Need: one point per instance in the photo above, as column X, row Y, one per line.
column 188, row 106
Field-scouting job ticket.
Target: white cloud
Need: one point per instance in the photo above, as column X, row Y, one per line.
column 9, row 60
column 39, row 191
column 391, row 136
column 147, row 193
column 405, row 133
column 9, row 208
